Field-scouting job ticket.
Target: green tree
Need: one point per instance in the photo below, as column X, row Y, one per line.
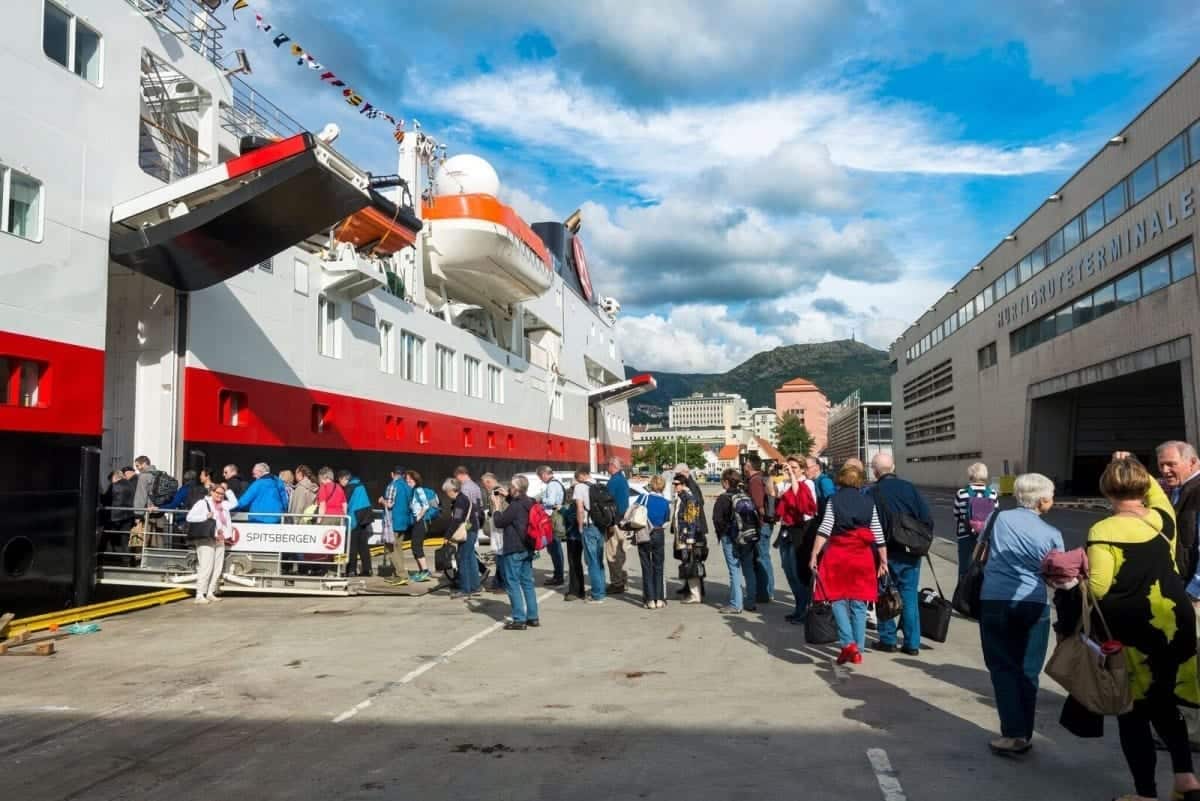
column 792, row 436
column 663, row 453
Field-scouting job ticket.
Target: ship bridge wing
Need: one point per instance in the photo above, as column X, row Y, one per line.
column 622, row 390
column 211, row 226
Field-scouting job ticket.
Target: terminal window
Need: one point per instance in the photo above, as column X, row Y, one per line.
column 987, row 356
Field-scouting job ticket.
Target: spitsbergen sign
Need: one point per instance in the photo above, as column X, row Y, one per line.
column 286, row 538
column 1097, row 260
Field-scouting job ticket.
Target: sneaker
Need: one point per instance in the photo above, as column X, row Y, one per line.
column 847, row 654
column 397, row 581
column 533, row 623
column 200, row 599
column 595, row 600
column 214, row 597
column 857, row 658
column 514, row 626
column 423, row 576
column 884, row 647
column 614, row 589
column 660, row 604
column 690, row 601
column 454, row 596
column 729, row 610
column 1010, row 746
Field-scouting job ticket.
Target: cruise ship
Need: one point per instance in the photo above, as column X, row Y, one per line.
column 193, row 275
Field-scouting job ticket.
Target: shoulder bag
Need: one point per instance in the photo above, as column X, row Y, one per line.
column 205, row 529
column 819, row 625
column 1096, row 679
column 970, row 587
column 464, row 528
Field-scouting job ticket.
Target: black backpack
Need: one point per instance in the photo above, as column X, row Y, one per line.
column 602, row 508
column 163, row 488
column 744, row 526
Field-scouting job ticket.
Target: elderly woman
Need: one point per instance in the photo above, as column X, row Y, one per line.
column 849, row 556
column 1014, row 622
column 691, row 547
column 651, row 553
column 516, row 561
column 973, row 504
column 462, row 510
column 1141, row 596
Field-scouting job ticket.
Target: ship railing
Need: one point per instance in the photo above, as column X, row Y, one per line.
column 188, row 21
column 271, row 552
column 251, row 114
column 166, row 155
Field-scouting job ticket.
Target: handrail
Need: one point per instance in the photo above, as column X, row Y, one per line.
column 176, row 137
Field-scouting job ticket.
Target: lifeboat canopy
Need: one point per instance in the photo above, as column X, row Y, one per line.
column 467, row 175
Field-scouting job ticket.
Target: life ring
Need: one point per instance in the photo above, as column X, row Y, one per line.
column 585, row 278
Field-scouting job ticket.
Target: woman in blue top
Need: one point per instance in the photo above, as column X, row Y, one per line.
column 1014, row 618
column 651, row 552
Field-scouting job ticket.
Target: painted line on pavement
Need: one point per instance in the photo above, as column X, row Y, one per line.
column 888, row 783
column 421, row 670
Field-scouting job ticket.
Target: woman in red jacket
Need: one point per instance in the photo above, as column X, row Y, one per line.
column 797, row 506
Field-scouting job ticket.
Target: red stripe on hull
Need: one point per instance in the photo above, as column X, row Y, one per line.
column 70, row 390
column 278, row 415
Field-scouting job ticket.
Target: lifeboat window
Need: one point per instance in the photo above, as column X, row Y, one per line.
column 72, row 43
column 301, row 277
column 445, row 376
column 472, row 378
column 387, row 348
column 558, row 405
column 412, row 357
column 20, row 204
column 232, row 407
column 495, row 385
column 320, row 418
column 422, row 432
column 329, row 331
column 491, row 440
column 468, row 438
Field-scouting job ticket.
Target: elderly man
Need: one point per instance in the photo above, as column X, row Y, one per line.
column 894, row 497
column 614, row 538
column 265, row 499
column 1179, row 467
column 552, row 496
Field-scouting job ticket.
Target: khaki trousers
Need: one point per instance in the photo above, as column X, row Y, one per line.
column 614, row 555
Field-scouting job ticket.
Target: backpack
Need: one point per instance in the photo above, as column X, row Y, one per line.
column 979, row 509
column 539, row 531
column 603, row 509
column 744, row 527
column 432, row 504
column 163, row 488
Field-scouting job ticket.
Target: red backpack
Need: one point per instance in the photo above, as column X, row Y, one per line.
column 540, row 529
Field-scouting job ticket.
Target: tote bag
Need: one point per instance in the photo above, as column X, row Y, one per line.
column 968, row 593
column 1098, row 681
column 464, row 528
column 819, row 625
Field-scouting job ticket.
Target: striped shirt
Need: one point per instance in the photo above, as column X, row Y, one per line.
column 962, row 510
column 828, row 519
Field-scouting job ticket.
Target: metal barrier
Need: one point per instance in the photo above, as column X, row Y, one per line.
column 299, row 554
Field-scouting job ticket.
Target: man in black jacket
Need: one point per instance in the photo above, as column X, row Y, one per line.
column 1180, row 471
column 118, row 518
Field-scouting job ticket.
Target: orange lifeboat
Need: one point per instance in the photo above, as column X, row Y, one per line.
column 378, row 229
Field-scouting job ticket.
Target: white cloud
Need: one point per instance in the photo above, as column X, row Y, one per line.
column 691, row 338
column 530, row 208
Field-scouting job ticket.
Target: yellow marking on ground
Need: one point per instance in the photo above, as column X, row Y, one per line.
column 94, row 611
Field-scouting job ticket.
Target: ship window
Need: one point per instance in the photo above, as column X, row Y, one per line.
column 71, row 43
column 21, row 203
column 472, row 377
column 510, row 442
column 495, row 385
column 558, row 405
column 232, row 407
column 468, row 438
column 329, row 332
column 444, row 369
column 491, row 440
column 393, row 427
column 422, row 432
column 320, row 418
column 362, row 313
column 301, row 277
column 387, row 348
column 412, row 357
column 23, row 382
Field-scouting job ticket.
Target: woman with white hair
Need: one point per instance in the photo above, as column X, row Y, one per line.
column 1014, row 620
column 973, row 505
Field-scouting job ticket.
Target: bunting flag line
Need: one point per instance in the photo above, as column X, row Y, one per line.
column 306, row 59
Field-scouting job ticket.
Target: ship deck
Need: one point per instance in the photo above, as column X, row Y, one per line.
column 422, row 697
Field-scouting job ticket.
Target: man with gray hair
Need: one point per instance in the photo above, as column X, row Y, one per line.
column 614, row 538
column 265, row 499
column 1179, row 467
column 552, row 497
column 896, row 500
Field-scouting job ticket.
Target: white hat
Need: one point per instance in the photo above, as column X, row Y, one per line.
column 682, row 468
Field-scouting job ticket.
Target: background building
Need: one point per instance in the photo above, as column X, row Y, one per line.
column 719, row 410
column 761, row 422
column 805, row 399
column 858, row 429
column 1077, row 335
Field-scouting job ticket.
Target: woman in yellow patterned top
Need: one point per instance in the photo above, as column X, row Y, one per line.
column 1140, row 592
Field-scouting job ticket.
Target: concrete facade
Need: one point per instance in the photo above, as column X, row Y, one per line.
column 1074, row 336
column 719, row 410
column 858, row 430
column 804, row 398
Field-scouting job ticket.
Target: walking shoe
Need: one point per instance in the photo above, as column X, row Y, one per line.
column 614, row 589
column 397, row 581
column 212, row 597
column 595, row 600
column 514, row 626
column 690, row 601
column 729, row 610
column 454, row 596
column 570, row 597
column 553, row 582
column 423, row 576
column 857, row 658
column 660, row 604
column 847, row 654
column 911, row 651
column 200, row 599
column 533, row 623
column 1010, row 746
column 884, row 647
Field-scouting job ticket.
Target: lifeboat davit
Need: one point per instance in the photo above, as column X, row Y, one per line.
column 479, row 248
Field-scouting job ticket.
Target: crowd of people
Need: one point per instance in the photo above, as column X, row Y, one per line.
column 843, row 540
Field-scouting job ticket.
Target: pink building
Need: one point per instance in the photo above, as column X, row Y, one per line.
column 805, row 399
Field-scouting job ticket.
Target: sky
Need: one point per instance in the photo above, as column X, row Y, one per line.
column 750, row 174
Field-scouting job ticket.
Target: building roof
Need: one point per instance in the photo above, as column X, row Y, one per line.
column 729, row 453
column 799, row 385
column 767, row 450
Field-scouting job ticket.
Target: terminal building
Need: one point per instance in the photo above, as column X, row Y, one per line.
column 1078, row 334
column 719, row 410
column 858, row 429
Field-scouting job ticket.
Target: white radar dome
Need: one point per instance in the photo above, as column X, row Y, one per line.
column 466, row 175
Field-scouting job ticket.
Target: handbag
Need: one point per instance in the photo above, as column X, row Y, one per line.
column 205, row 529
column 819, row 625
column 934, row 610
column 910, row 534
column 1097, row 680
column 636, row 517
column 889, row 604
column 969, row 591
column 464, row 528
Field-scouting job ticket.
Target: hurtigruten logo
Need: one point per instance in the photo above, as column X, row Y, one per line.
column 1101, row 258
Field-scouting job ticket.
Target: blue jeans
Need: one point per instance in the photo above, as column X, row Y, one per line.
column 1015, row 635
column 739, row 560
column 593, row 555
column 801, row 591
column 468, row 564
column 966, row 549
column 906, row 573
column 518, row 581
column 555, row 550
column 851, row 620
column 764, row 575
